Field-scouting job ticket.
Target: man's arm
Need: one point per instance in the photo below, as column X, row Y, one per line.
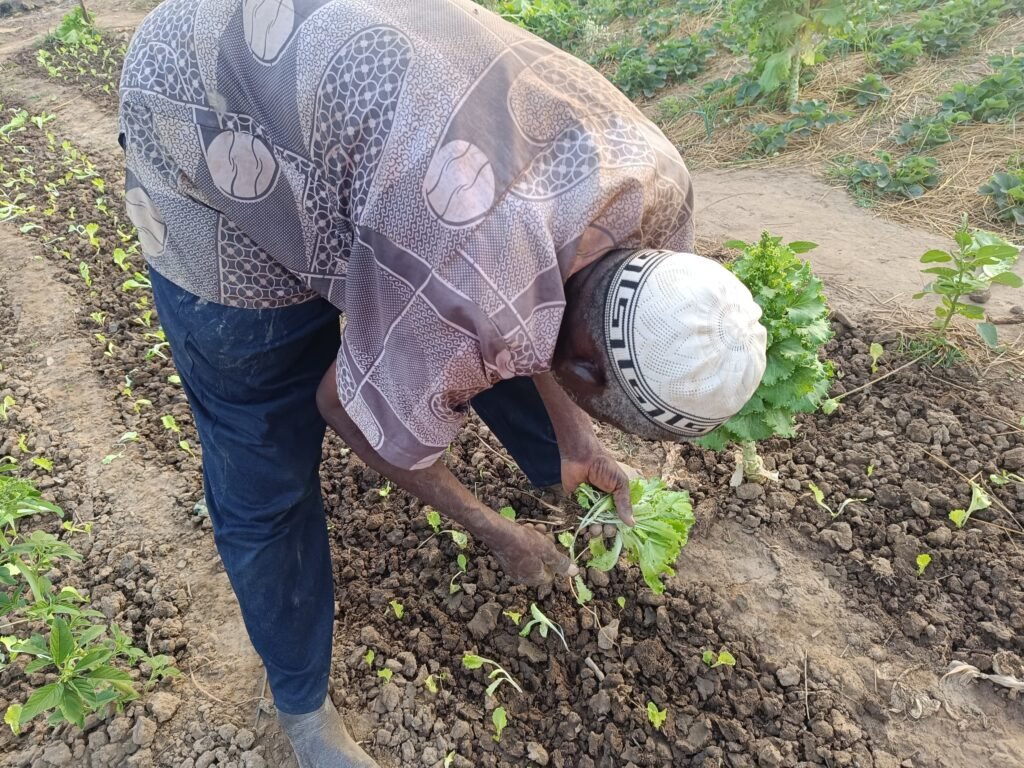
column 525, row 554
column 584, row 460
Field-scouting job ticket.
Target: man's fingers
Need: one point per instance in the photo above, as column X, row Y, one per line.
column 558, row 562
column 623, row 503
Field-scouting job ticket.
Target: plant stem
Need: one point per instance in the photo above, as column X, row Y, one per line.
column 752, row 463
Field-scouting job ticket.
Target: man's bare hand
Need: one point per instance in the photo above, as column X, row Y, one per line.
column 528, row 556
column 596, row 467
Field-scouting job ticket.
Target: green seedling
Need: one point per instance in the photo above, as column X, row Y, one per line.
column 170, row 424
column 721, row 659
column 43, row 463
column 385, row 490
column 23, row 442
column 514, row 616
column 369, row 656
column 186, row 447
column 432, row 682
column 656, row 716
column 508, row 513
column 981, row 260
column 110, row 458
column 83, row 270
column 621, row 602
column 98, row 317
column 5, row 408
column 819, row 499
column 498, row 674
column 500, row 720
column 922, row 562
column 1005, row 478
column 462, row 562
column 979, row 500
column 174, row 379
column 449, row 759
column 398, row 609
column 544, row 626
column 385, row 674
column 582, row 591
column 871, row 469
column 662, row 518
column 876, row 351
column 128, row 437
column 434, row 521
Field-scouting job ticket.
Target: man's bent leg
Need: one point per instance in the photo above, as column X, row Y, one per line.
column 516, row 415
column 251, row 378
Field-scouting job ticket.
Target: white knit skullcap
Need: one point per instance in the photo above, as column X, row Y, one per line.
column 684, row 339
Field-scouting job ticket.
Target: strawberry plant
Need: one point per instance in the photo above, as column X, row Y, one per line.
column 910, row 177
column 796, row 379
column 870, row 90
column 663, row 519
column 981, row 259
column 928, row 131
column 897, row 55
column 1005, row 192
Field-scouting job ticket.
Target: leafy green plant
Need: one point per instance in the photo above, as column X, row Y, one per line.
column 1006, row 478
column 557, row 21
column 434, row 521
column 980, row 260
column 909, row 177
column 819, row 499
column 544, row 626
column 641, row 73
column 922, row 561
column 870, row 90
column 1005, row 191
column 796, row 379
column 811, row 116
column 656, row 716
column 721, row 659
column 897, row 55
column 787, row 36
column 80, row 654
column 5, row 408
column 500, row 720
column 979, row 500
column 369, row 657
column 662, row 518
column 498, row 674
column 996, row 98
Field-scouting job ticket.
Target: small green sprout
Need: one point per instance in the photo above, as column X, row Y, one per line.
column 43, row 463
column 398, row 608
column 449, row 759
column 543, row 624
column 98, row 317
column 979, row 500
column 369, row 657
column 186, row 447
column 722, row 659
column 819, row 499
column 871, row 469
column 1005, row 478
column 434, row 519
column 876, row 351
column 385, row 490
column 922, row 562
column 170, row 424
column 430, row 683
column 499, row 675
column 621, row 602
column 656, row 716
column 463, row 564
column 385, row 673
column 5, row 407
column 83, row 270
column 508, row 513
column 174, row 379
column 514, row 616
column 583, row 593
column 23, row 443
column 500, row 720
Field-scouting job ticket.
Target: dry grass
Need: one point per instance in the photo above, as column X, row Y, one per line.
column 965, row 164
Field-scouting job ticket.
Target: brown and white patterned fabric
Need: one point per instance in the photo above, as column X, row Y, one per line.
column 433, row 171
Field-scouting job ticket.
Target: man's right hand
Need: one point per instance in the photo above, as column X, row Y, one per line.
column 528, row 556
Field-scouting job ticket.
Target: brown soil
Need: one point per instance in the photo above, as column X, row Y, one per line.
column 840, row 645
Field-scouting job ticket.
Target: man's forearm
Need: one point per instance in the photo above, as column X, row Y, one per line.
column 435, row 485
column 573, row 428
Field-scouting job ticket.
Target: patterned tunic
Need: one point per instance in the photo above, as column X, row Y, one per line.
column 433, row 171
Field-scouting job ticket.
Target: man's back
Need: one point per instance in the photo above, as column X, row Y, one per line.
column 430, row 169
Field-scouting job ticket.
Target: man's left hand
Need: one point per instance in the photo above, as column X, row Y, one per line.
column 595, row 466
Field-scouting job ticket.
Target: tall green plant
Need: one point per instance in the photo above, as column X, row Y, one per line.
column 786, row 35
column 796, row 379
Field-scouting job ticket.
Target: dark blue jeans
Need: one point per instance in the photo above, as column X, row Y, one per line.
column 251, row 378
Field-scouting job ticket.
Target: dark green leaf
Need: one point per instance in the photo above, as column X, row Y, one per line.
column 62, row 643
column 802, row 246
column 1008, row 278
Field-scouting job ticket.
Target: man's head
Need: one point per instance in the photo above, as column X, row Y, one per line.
column 660, row 344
